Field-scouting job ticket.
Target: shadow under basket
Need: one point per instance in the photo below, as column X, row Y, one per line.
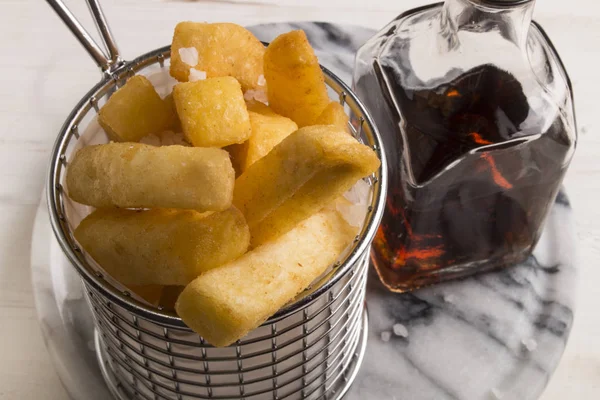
column 312, row 348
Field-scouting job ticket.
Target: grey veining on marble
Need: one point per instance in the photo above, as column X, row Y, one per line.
column 498, row 335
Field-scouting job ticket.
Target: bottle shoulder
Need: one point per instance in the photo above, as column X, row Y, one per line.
column 420, row 51
column 403, row 28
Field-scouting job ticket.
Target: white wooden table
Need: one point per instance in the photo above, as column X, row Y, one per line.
column 45, row 72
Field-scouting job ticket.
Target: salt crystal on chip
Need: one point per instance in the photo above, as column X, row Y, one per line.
column 189, row 55
column 169, row 138
column 354, row 214
column 179, row 139
column 151, row 139
column 196, row 75
column 261, row 80
column 359, row 193
column 166, row 138
column 258, row 95
column 163, row 83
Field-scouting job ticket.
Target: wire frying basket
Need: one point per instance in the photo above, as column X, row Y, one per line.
column 310, row 349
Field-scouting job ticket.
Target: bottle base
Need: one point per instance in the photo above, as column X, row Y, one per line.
column 407, row 278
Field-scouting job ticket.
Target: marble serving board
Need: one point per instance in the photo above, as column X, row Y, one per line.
column 498, row 335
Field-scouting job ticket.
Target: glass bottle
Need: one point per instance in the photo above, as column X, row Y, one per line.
column 476, row 114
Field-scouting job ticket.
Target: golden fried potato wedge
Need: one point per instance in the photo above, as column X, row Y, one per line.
column 212, row 112
column 334, row 114
column 162, row 246
column 135, row 175
column 268, row 129
column 295, row 83
column 223, row 49
column 136, row 110
column 150, row 293
column 226, row 303
column 306, row 171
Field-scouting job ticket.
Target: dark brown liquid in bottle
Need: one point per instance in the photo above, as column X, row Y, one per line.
column 468, row 189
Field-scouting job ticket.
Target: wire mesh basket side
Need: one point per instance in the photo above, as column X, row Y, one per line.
column 301, row 352
column 284, row 363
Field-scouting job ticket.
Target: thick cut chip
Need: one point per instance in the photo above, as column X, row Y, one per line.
column 268, row 130
column 307, row 170
column 161, row 246
column 212, row 112
column 334, row 114
column 226, row 303
column 135, row 175
column 295, row 83
column 150, row 293
column 223, row 49
column 136, row 110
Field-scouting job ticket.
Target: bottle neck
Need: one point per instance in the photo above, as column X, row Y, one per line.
column 510, row 18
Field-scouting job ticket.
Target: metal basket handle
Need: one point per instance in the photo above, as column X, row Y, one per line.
column 108, row 59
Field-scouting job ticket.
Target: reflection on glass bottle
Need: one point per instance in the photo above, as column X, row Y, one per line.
column 476, row 115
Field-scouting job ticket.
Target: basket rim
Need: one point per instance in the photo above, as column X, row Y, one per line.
column 145, row 311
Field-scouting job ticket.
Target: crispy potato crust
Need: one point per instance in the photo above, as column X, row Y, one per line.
column 134, row 175
column 226, row 303
column 268, row 130
column 306, row 171
column 160, row 246
column 334, row 114
column 224, row 49
column 295, row 83
column 212, row 112
column 136, row 110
